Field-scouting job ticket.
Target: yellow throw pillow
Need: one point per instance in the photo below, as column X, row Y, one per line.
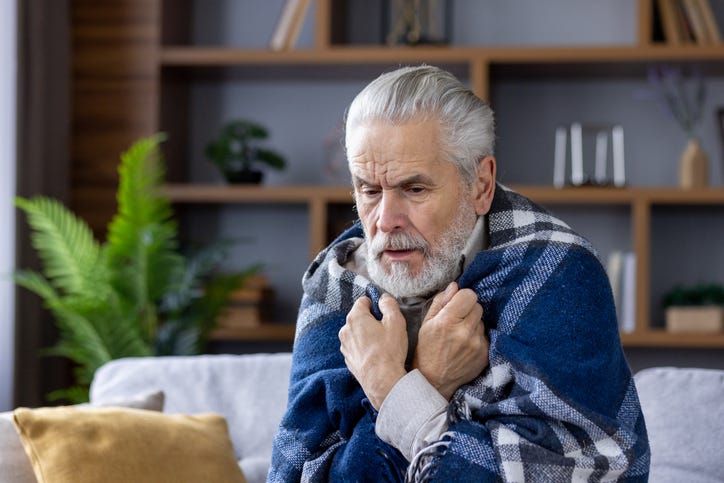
column 109, row 445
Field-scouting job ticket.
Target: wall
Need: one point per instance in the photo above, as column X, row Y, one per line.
column 8, row 58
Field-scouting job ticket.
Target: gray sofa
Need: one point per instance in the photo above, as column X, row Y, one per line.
column 684, row 408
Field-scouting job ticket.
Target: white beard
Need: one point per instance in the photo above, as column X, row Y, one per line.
column 440, row 263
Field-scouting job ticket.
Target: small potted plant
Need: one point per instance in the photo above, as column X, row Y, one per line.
column 236, row 152
column 695, row 309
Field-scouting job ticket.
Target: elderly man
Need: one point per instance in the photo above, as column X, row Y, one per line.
column 458, row 332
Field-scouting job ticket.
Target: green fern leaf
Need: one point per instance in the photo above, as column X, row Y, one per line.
column 142, row 244
column 73, row 395
column 80, row 340
column 36, row 283
column 70, row 255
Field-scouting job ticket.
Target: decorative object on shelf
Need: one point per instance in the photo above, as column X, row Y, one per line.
column 684, row 95
column 134, row 295
column 235, row 152
column 590, row 149
column 697, row 309
column 415, row 22
column 693, row 166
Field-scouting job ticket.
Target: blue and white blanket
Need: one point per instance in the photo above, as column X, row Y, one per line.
column 557, row 402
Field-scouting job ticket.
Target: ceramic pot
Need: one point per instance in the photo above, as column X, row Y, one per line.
column 693, row 166
column 245, row 177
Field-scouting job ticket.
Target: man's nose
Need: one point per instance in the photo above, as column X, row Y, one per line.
column 392, row 215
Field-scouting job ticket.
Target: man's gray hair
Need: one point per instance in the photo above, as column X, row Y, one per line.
column 418, row 94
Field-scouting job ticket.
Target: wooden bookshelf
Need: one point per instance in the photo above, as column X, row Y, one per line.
column 166, row 66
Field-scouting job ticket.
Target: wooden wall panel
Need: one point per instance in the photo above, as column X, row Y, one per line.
column 115, row 45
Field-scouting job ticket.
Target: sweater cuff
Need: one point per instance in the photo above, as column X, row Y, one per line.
column 412, row 416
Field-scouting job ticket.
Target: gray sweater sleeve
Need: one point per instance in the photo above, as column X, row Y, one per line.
column 412, row 416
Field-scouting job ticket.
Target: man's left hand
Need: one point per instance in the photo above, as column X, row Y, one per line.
column 452, row 348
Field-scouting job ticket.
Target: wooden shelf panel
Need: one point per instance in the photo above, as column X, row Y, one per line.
column 652, row 196
column 340, row 55
column 263, row 332
column 209, row 193
column 661, row 338
column 651, row 338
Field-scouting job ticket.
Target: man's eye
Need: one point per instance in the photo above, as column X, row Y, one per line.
column 370, row 191
column 416, row 190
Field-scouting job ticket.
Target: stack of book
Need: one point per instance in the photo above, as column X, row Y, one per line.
column 688, row 22
column 248, row 306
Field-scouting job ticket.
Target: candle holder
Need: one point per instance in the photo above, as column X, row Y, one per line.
column 596, row 155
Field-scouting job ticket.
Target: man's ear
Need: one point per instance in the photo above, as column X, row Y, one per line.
column 484, row 188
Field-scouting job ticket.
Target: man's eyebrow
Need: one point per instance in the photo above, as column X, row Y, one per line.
column 357, row 182
column 415, row 179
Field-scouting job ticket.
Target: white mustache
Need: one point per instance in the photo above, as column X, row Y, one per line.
column 397, row 241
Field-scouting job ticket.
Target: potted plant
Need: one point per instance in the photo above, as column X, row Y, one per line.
column 135, row 294
column 236, row 152
column 695, row 309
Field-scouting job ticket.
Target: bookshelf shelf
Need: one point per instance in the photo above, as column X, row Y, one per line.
column 210, row 193
column 661, row 338
column 229, row 56
column 263, row 332
column 650, row 338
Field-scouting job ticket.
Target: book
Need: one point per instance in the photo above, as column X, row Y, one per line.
column 687, row 34
column 284, row 25
column 614, row 270
column 249, row 305
column 712, row 27
column 627, row 322
column 696, row 21
column 669, row 22
column 297, row 21
column 559, row 158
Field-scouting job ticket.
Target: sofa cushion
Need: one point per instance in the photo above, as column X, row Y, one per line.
column 14, row 463
column 684, row 412
column 249, row 390
column 118, row 445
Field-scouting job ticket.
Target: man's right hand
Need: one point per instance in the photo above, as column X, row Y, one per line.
column 451, row 347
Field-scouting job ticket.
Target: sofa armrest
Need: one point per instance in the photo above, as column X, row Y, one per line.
column 684, row 412
column 15, row 465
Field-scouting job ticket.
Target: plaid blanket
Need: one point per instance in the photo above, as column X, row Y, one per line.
column 557, row 402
